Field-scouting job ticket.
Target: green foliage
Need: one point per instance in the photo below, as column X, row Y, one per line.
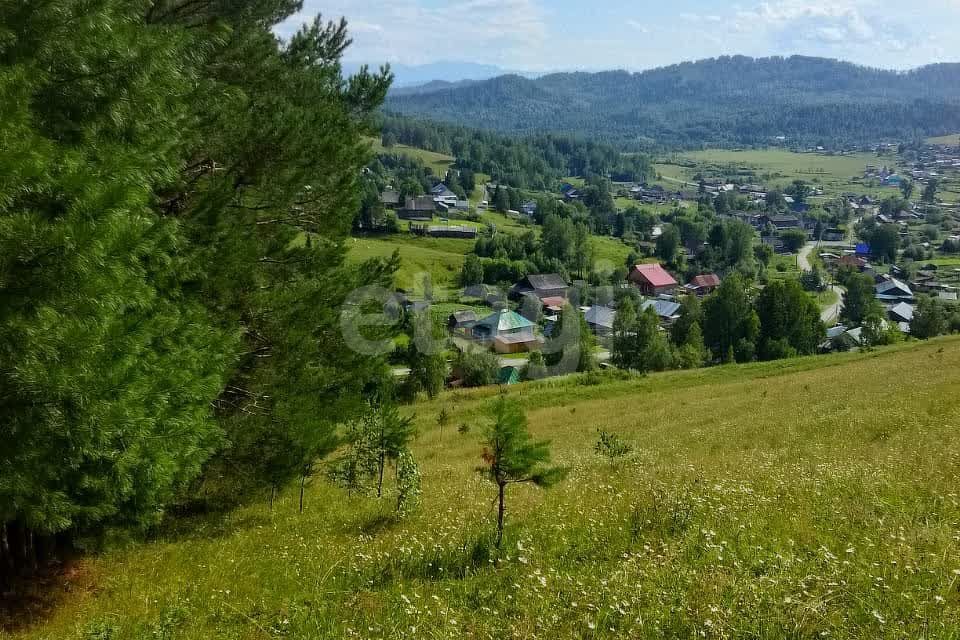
column 693, row 353
column 638, row 343
column 536, row 368
column 929, row 318
column 426, row 358
column 813, row 280
column 793, row 239
column 162, row 165
column 668, row 244
column 376, row 440
column 731, row 326
column 536, row 162
column 511, row 456
column 611, row 446
column 789, row 321
column 408, row 483
column 477, row 368
column 472, row 272
column 571, row 344
column 859, row 300
column 884, row 241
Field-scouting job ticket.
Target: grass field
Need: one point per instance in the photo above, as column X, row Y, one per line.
column 777, row 167
column 438, row 162
column 811, row 498
column 442, row 258
column 953, row 139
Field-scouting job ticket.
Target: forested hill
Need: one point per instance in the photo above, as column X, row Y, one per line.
column 722, row 101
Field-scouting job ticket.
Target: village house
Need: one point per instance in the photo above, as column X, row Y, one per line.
column 569, row 192
column 892, row 290
column 704, row 284
column 420, row 208
column 600, row 319
column 549, row 285
column 390, row 199
column 652, row 279
column 442, row 192
column 508, row 331
column 462, row 321
column 782, row 223
column 667, row 311
column 854, row 262
column 834, row 235
column 901, row 312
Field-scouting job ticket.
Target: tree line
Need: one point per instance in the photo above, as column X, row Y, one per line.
column 535, row 162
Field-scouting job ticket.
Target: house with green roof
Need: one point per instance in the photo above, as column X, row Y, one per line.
column 507, row 331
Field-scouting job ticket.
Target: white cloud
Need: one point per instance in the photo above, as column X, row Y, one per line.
column 411, row 32
column 563, row 34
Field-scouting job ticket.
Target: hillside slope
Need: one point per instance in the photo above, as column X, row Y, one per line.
column 806, row 498
column 726, row 101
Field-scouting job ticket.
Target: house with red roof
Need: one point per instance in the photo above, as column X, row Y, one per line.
column 652, row 279
column 704, row 284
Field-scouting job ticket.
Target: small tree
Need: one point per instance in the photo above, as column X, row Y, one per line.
column 611, row 446
column 390, row 435
column 442, row 420
column 813, row 280
column 929, row 319
column 357, row 465
column 511, row 456
column 408, row 483
column 536, row 368
column 477, row 368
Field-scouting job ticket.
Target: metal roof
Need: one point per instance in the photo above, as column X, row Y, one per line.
column 663, row 308
column 601, row 316
column 505, row 320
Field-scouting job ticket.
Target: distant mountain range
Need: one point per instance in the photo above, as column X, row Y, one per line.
column 722, row 101
column 406, row 76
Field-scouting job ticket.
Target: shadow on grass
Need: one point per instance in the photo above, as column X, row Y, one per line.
column 457, row 563
column 207, row 526
column 28, row 601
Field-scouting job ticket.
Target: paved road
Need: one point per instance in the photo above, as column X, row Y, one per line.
column 830, row 314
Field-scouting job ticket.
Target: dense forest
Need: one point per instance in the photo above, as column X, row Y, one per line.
column 535, row 162
column 165, row 339
column 717, row 102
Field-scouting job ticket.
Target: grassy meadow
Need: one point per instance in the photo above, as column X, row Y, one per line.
column 952, row 139
column 442, row 258
column 439, row 162
column 807, row 498
column 777, row 167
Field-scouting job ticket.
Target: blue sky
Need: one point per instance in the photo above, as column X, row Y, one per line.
column 542, row 35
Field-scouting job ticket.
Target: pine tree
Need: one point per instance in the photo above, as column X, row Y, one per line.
column 511, row 456
column 162, row 163
column 108, row 365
